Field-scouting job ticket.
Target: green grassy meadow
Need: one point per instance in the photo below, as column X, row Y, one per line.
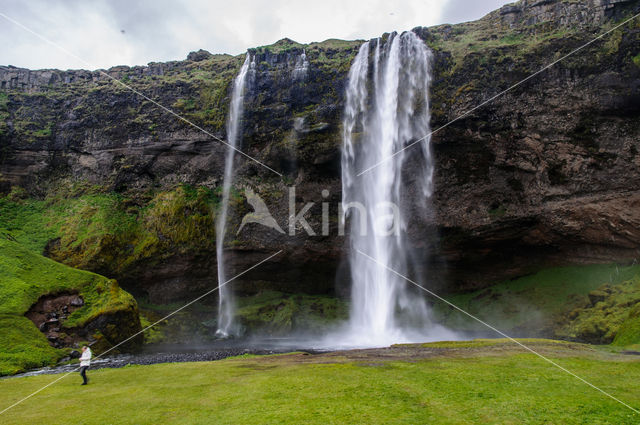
column 463, row 383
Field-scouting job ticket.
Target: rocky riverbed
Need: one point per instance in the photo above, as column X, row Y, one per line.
column 398, row 352
column 172, row 354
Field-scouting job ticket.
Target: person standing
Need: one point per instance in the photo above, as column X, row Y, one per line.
column 85, row 361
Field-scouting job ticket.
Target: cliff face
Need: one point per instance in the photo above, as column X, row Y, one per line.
column 547, row 173
column 544, row 174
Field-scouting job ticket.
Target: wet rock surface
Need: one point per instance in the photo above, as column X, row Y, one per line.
column 49, row 313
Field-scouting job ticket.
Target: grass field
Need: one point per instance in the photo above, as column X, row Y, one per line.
column 489, row 382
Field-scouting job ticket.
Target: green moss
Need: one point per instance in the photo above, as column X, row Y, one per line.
column 280, row 46
column 629, row 332
column 186, row 216
column 27, row 221
column 154, row 334
column 498, row 211
column 43, row 132
column 485, row 342
column 599, row 319
column 94, row 230
column 4, row 101
column 636, row 60
column 486, row 39
column 23, row 346
column 31, row 131
column 211, row 107
column 277, row 313
column 533, row 304
column 336, row 44
column 184, row 105
column 36, row 113
column 25, row 277
column 331, row 56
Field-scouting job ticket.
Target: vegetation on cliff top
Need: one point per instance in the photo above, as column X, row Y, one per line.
column 499, row 55
column 197, row 90
column 25, row 277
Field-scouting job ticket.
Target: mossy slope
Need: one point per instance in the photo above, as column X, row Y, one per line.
column 94, row 229
column 24, row 278
column 584, row 303
column 276, row 313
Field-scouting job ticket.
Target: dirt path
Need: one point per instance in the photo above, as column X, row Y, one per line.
column 458, row 349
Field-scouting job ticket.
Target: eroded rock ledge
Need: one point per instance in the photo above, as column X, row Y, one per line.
column 51, row 311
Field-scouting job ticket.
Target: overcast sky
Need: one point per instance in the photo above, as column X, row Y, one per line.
column 105, row 33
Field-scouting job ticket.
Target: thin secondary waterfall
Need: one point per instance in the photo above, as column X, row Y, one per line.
column 226, row 308
column 386, row 108
column 301, row 66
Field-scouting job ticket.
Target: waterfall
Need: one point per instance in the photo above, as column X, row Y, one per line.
column 226, row 308
column 385, row 110
column 301, row 66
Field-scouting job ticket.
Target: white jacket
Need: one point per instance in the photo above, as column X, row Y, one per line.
column 85, row 358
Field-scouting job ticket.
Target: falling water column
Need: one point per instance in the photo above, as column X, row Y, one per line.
column 384, row 111
column 226, row 308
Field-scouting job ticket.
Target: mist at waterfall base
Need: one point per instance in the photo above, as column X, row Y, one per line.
column 386, row 108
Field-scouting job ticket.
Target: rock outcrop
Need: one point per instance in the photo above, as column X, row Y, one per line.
column 50, row 313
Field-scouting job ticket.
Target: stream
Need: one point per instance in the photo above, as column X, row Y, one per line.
column 164, row 353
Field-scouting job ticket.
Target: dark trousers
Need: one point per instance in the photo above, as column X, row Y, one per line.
column 83, row 373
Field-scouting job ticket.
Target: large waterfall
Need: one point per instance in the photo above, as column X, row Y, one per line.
column 386, row 108
column 226, row 308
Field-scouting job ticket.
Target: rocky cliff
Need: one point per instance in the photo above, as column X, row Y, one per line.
column 546, row 174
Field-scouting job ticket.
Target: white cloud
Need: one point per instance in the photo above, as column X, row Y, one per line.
column 455, row 11
column 115, row 32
